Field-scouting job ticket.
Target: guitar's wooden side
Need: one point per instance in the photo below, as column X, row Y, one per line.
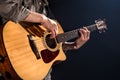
column 22, row 58
column 6, row 70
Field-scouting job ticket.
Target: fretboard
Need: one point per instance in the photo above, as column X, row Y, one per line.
column 63, row 37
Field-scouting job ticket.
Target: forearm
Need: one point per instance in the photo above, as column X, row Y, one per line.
column 35, row 17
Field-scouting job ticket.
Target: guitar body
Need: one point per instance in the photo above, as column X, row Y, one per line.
column 6, row 70
column 21, row 55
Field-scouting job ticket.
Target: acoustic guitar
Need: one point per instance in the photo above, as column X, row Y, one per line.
column 32, row 52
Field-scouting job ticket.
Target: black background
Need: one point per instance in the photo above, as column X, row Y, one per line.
column 99, row 58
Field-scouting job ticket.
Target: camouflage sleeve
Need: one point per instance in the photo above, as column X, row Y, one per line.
column 13, row 10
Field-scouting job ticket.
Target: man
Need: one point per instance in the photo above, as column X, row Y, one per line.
column 34, row 11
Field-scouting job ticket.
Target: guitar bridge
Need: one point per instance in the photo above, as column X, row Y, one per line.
column 33, row 46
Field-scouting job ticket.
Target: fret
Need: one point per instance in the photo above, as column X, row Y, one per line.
column 63, row 37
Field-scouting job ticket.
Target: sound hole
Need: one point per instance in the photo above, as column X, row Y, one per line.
column 50, row 42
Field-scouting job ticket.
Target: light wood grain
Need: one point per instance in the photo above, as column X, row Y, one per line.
column 22, row 57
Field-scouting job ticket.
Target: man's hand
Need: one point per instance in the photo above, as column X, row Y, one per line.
column 51, row 26
column 85, row 35
column 48, row 23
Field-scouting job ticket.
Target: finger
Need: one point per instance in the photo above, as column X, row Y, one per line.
column 55, row 29
column 81, row 33
column 52, row 34
column 85, row 28
column 86, row 32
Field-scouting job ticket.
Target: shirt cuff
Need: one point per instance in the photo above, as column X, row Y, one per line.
column 24, row 12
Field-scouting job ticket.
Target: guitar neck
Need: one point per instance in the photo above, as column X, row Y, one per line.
column 63, row 37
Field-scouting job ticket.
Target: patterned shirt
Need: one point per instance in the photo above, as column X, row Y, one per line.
column 17, row 10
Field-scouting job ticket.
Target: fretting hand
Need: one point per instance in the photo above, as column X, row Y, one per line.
column 85, row 35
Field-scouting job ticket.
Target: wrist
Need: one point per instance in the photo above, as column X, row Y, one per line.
column 69, row 46
column 43, row 19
